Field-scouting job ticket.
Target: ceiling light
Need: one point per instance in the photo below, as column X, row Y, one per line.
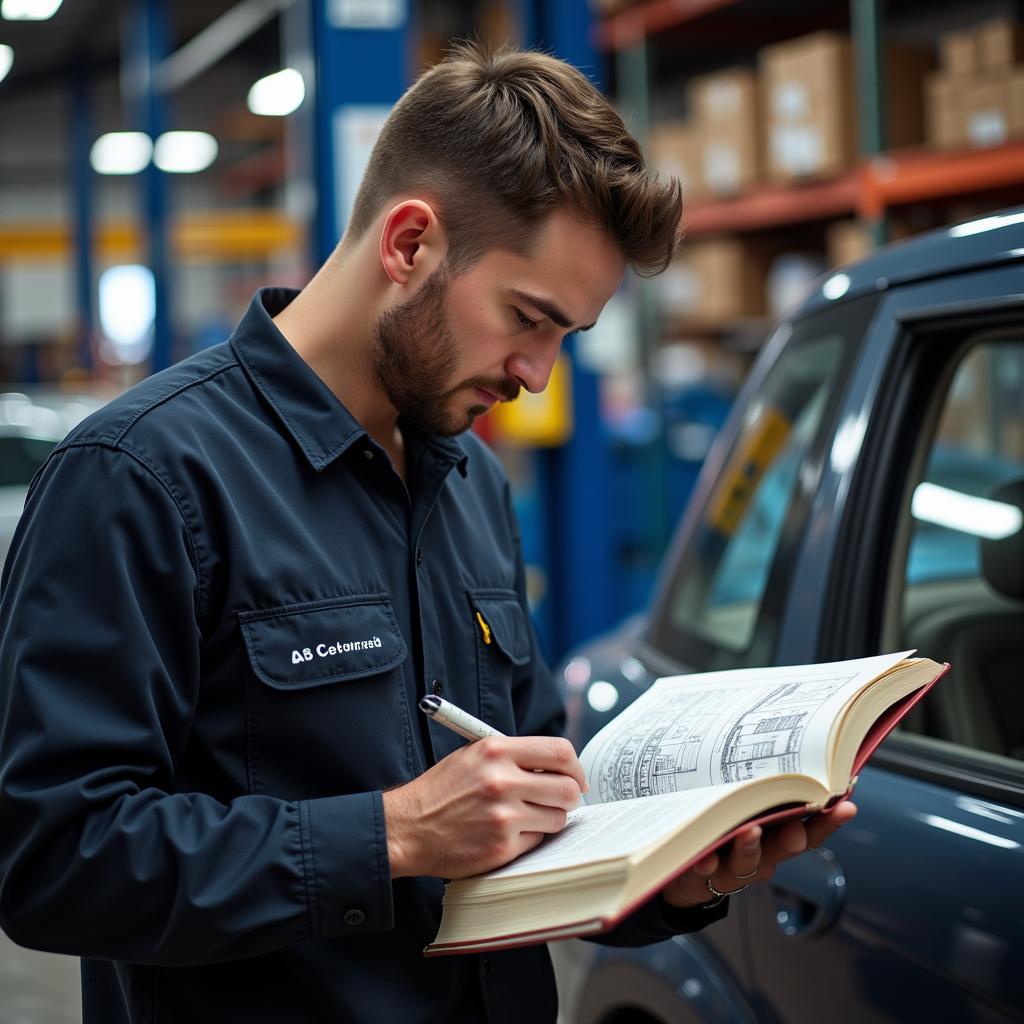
column 127, row 310
column 184, row 152
column 278, row 94
column 121, row 153
column 29, row 10
column 6, row 60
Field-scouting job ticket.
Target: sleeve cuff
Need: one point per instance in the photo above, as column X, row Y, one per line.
column 345, row 864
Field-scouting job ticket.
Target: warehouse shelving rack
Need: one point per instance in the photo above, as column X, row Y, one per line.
column 882, row 180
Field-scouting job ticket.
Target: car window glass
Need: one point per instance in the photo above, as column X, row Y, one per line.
column 719, row 596
column 962, row 595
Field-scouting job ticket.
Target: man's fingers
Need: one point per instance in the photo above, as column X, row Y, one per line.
column 743, row 858
column 548, row 789
column 538, row 753
column 821, row 826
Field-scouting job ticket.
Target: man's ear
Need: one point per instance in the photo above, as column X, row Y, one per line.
column 412, row 242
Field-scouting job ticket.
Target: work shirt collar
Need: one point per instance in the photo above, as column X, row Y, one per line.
column 321, row 425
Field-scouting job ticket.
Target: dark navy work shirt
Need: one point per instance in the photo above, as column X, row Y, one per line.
column 218, row 613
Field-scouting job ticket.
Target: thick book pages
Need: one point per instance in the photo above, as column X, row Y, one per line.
column 689, row 764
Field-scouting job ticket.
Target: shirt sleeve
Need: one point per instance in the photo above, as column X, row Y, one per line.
column 100, row 854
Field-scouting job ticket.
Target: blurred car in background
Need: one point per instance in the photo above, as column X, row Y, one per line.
column 866, row 495
column 31, row 425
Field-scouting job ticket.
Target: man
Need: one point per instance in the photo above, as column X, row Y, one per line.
column 232, row 585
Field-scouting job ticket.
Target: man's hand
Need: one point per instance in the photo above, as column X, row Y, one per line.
column 753, row 855
column 482, row 806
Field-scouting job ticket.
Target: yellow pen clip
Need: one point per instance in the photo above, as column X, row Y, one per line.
column 484, row 628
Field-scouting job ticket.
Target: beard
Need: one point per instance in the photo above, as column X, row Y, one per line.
column 415, row 355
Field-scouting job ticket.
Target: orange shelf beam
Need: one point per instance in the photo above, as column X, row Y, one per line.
column 922, row 175
column 634, row 24
column 773, row 206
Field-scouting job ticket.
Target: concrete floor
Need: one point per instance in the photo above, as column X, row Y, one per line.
column 38, row 988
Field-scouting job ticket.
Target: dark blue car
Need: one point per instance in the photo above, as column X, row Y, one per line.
column 866, row 495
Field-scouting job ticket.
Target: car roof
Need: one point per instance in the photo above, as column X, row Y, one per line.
column 982, row 241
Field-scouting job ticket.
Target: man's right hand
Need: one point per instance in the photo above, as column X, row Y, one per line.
column 482, row 806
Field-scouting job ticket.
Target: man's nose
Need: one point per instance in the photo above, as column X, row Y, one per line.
column 533, row 369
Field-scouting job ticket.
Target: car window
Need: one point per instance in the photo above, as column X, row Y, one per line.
column 20, row 457
column 962, row 596
column 714, row 612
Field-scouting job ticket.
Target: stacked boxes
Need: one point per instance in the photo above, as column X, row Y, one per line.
column 809, row 94
column 674, row 148
column 727, row 122
column 977, row 96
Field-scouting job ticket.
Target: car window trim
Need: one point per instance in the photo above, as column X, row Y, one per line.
column 952, row 766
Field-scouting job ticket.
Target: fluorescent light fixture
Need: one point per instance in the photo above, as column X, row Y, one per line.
column 975, row 227
column 127, row 313
column 121, row 153
column 29, row 10
column 836, row 286
column 184, row 152
column 278, row 94
column 982, row 517
column 6, row 60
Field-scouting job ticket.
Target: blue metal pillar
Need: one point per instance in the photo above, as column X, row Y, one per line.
column 149, row 47
column 577, row 475
column 363, row 65
column 81, row 180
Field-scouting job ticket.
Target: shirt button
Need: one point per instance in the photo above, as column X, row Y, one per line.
column 354, row 917
column 367, row 454
column 419, row 557
column 436, row 687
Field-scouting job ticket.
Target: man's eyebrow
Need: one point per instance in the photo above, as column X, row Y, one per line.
column 549, row 309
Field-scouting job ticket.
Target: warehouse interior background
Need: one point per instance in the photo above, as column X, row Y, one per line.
column 161, row 160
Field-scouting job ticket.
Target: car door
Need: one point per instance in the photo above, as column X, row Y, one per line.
column 913, row 911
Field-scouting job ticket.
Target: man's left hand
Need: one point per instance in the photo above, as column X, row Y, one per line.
column 753, row 855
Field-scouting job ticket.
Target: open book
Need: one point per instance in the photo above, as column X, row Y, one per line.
column 675, row 776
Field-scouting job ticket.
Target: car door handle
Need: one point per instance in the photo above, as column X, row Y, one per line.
column 808, row 893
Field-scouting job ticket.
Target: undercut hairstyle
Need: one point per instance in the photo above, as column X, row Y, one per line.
column 498, row 139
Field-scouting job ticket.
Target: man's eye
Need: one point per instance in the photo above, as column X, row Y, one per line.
column 524, row 320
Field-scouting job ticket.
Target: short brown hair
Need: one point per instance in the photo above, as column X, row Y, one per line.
column 500, row 138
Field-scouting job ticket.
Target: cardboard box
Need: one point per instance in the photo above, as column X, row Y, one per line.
column 1016, row 103
column 674, row 148
column 808, row 97
column 958, row 52
column 730, row 278
column 987, row 111
column 726, row 111
column 945, row 121
column 1000, row 44
column 847, row 241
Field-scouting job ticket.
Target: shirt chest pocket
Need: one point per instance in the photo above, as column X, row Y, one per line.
column 325, row 707
column 502, row 646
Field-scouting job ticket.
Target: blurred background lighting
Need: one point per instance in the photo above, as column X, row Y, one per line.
column 983, row 517
column 6, row 60
column 121, row 153
column 602, row 696
column 127, row 312
column 278, row 94
column 184, row 152
column 29, row 10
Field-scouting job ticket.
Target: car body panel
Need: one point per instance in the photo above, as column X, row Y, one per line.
column 913, row 911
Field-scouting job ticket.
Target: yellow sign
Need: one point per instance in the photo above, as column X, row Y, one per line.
column 542, row 420
column 739, row 480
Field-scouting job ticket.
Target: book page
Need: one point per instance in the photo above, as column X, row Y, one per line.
column 604, row 831
column 688, row 732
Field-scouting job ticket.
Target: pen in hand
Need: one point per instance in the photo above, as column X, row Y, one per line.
column 447, row 714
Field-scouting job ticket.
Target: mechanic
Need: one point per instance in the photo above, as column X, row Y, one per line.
column 227, row 829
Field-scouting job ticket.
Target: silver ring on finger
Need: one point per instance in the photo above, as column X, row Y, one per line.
column 718, row 894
